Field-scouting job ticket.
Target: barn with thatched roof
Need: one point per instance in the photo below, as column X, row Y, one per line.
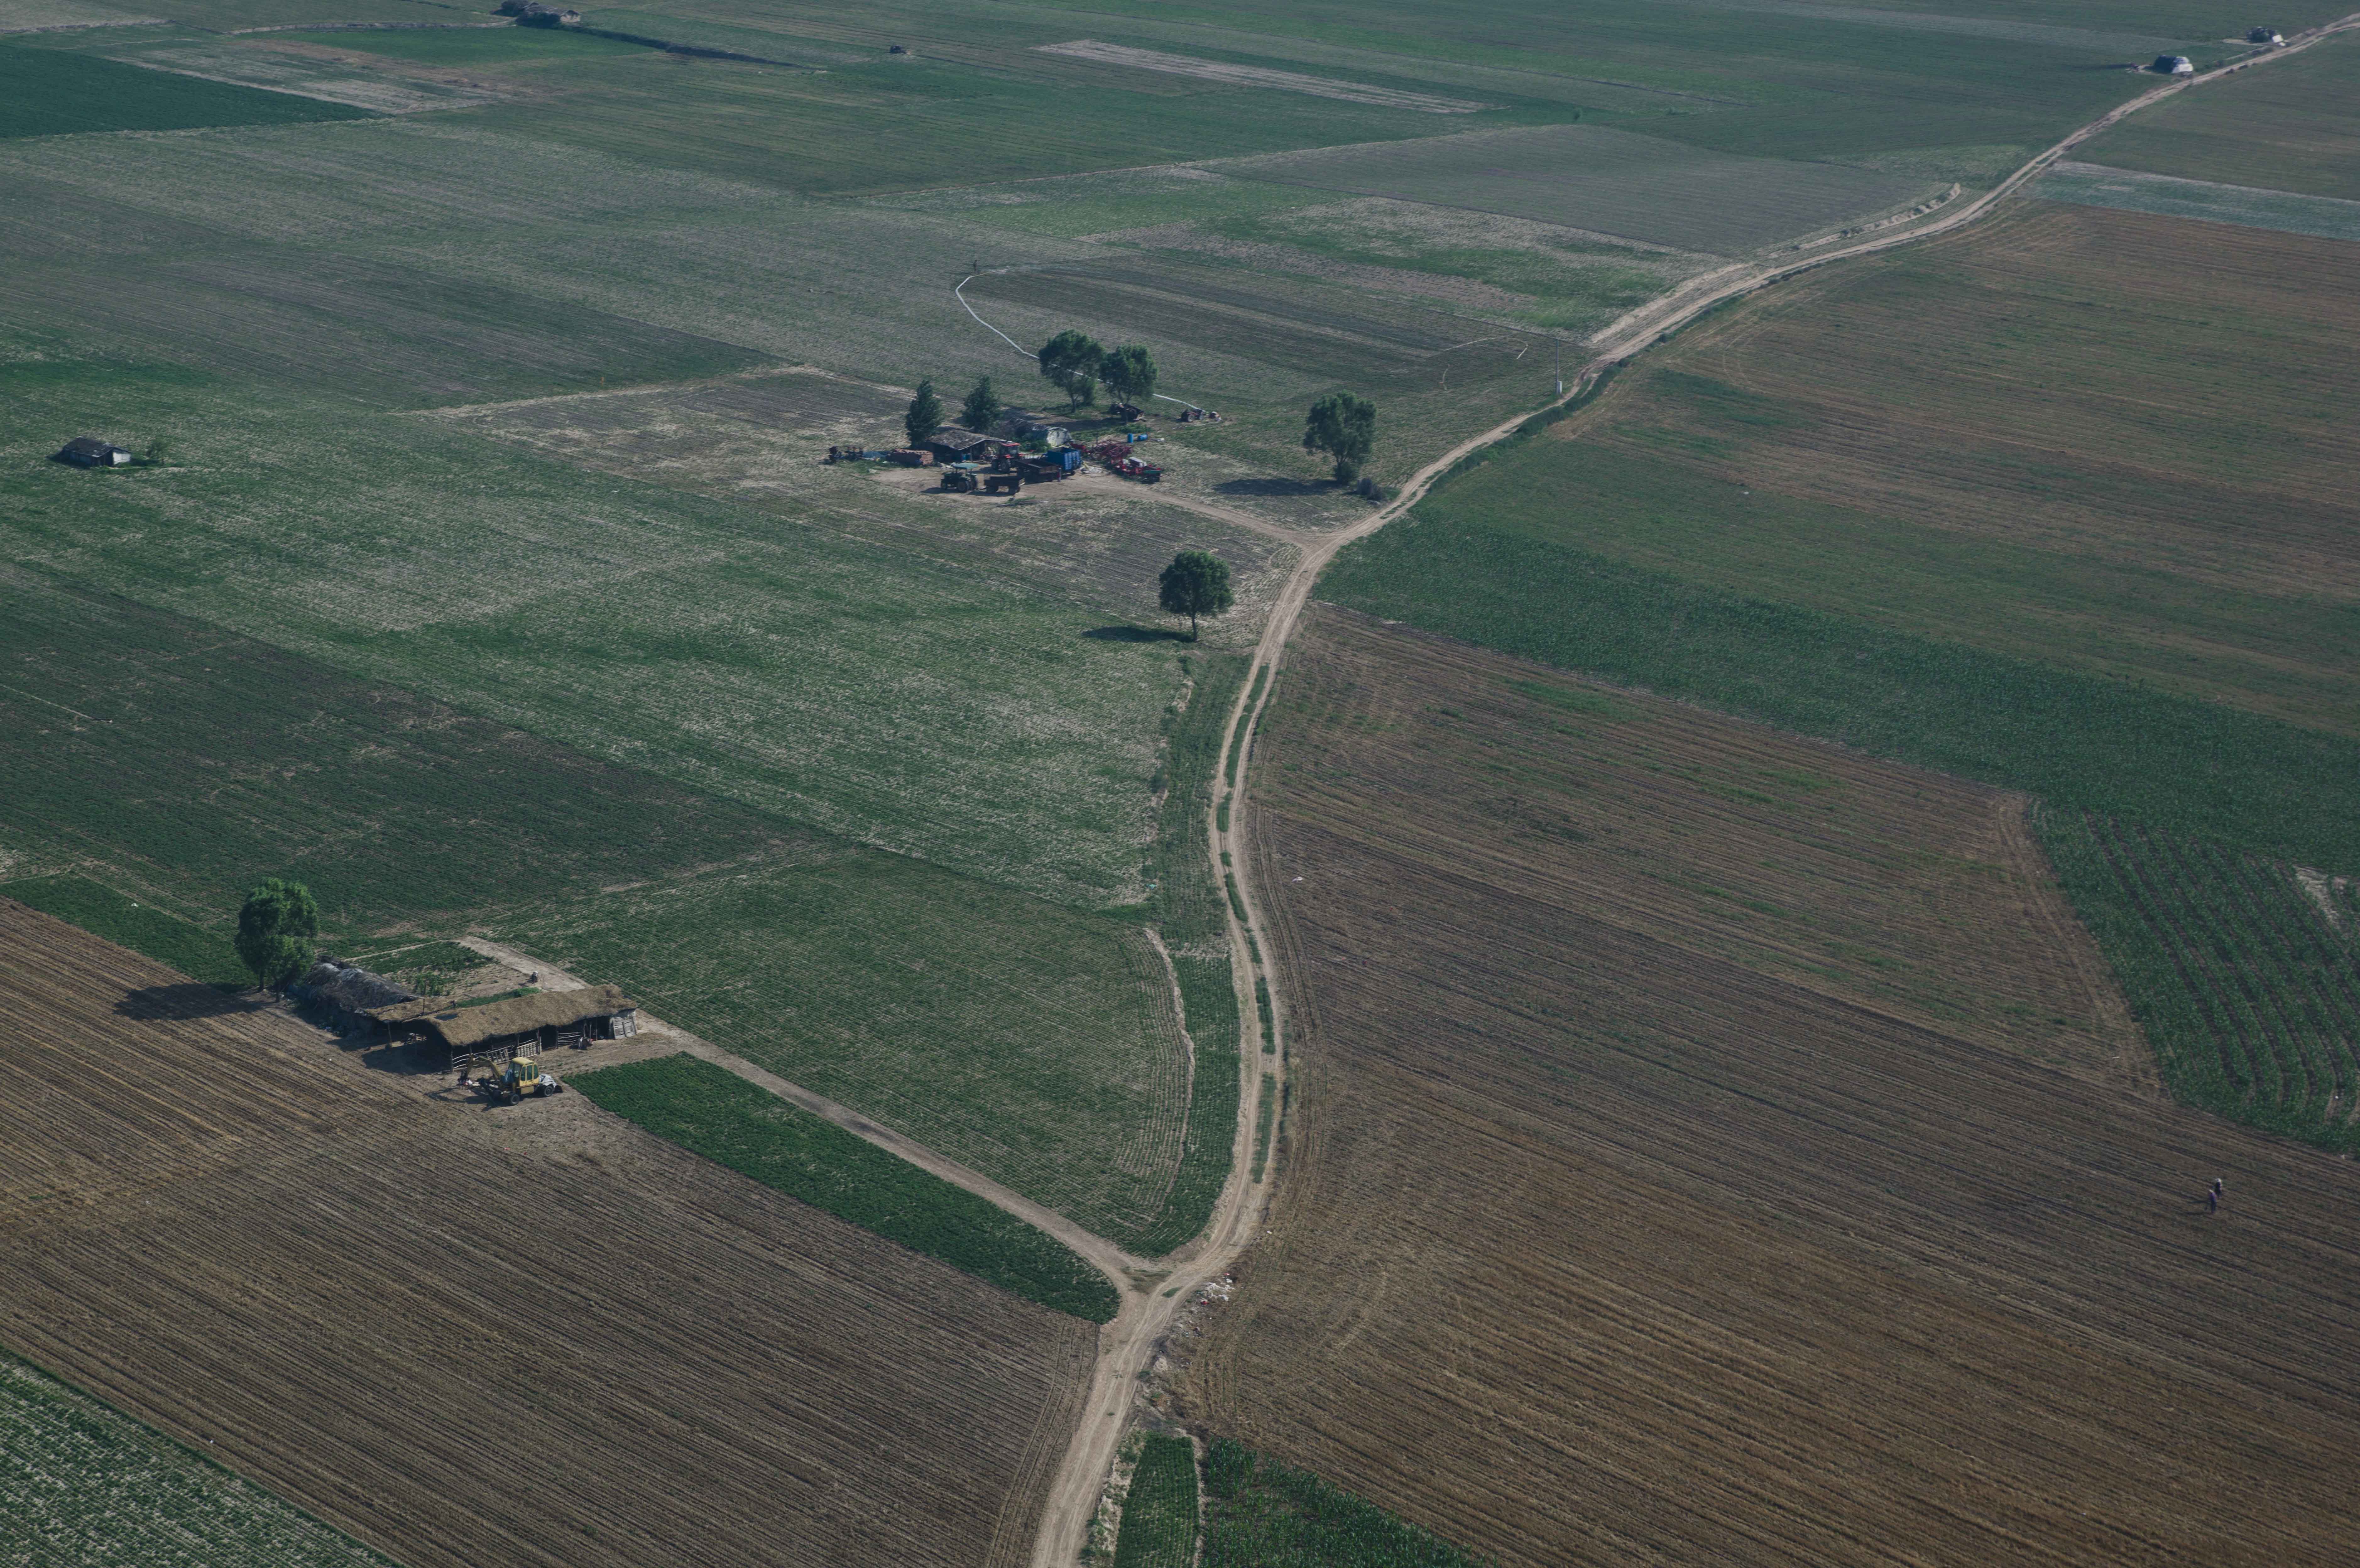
column 521, row 1025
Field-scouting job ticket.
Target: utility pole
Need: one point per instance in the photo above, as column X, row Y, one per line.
column 1557, row 344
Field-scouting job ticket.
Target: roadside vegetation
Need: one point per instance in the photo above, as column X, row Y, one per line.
column 1187, row 907
column 709, row 1111
column 1159, row 1513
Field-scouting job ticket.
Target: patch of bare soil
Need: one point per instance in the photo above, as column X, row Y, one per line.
column 1712, row 1146
column 472, row 1337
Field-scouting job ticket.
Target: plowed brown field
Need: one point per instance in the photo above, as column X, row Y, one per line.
column 1712, row 1146
column 484, row 1337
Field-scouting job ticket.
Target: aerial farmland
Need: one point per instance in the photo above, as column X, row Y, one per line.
column 1029, row 785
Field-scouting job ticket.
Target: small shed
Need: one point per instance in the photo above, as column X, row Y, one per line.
column 2173, row 65
column 953, row 444
column 89, row 452
column 522, row 1025
column 351, row 994
column 536, row 13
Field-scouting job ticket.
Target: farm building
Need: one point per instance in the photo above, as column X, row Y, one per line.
column 543, row 1020
column 2173, row 65
column 89, row 452
column 952, row 444
column 1024, row 424
column 534, row 13
column 353, row 994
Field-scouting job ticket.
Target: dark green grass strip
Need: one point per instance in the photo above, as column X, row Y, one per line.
column 2120, row 749
column 1211, row 1005
column 1187, row 906
column 2248, row 993
column 1263, row 1514
column 1245, row 728
column 1269, row 1023
column 712, row 1111
column 48, row 92
column 1264, row 1123
column 1159, row 1516
column 168, row 939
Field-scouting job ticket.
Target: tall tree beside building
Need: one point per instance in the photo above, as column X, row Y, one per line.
column 1128, row 373
column 926, row 415
column 1345, row 428
column 1070, row 362
column 1195, row 585
column 982, row 411
column 275, row 932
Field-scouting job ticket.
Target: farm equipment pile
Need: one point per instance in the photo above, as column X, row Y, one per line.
column 1116, row 458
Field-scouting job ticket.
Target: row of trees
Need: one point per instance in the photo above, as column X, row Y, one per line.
column 1072, row 363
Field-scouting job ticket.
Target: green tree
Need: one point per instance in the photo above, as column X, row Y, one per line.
column 1345, row 428
column 981, row 410
column 926, row 415
column 1196, row 584
column 1129, row 374
column 1070, row 362
column 275, row 930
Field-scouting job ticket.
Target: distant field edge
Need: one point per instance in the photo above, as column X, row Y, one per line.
column 711, row 1112
column 96, row 1485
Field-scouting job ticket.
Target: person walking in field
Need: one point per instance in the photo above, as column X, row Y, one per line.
column 2213, row 1198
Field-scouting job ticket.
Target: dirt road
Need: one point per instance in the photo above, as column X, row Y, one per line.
column 1127, row 1344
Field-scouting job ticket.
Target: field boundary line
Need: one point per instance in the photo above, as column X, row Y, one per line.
column 1127, row 1344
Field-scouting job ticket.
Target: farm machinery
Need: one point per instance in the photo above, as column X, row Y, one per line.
column 501, row 1078
column 1116, row 455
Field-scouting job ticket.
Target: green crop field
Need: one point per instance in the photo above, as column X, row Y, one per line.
column 1159, row 1513
column 1261, row 1513
column 1035, row 1044
column 2245, row 973
column 49, row 92
column 89, row 1485
column 196, row 952
column 2294, row 124
column 714, row 1113
column 2165, row 196
column 2105, row 746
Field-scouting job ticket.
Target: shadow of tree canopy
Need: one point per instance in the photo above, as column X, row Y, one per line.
column 188, row 999
column 1134, row 634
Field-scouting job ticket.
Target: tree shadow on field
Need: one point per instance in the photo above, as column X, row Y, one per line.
column 1275, row 487
column 190, row 999
column 1134, row 634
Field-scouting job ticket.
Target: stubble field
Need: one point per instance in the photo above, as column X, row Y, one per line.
column 1713, row 1146
column 393, row 1312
